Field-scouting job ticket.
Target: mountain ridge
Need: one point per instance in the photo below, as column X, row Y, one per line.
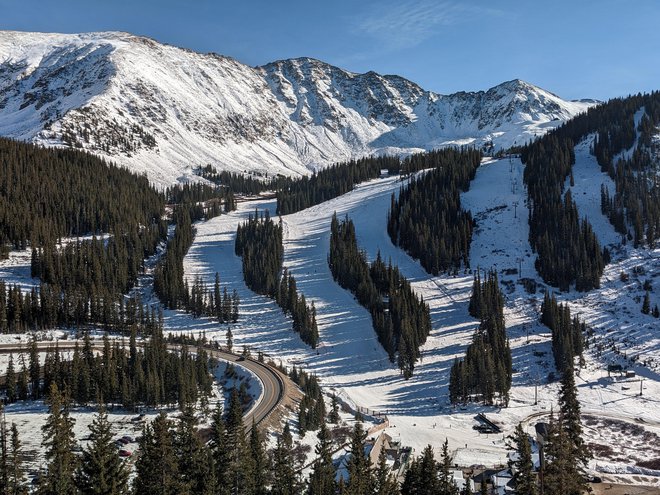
column 163, row 110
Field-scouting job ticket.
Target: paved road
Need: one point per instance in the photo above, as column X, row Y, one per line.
column 272, row 389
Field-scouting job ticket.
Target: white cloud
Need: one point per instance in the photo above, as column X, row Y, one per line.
column 404, row 25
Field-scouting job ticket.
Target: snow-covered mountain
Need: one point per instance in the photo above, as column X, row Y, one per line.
column 163, row 110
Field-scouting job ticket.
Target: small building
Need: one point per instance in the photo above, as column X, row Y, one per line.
column 460, row 480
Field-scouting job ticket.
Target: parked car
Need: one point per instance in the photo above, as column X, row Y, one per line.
column 125, row 453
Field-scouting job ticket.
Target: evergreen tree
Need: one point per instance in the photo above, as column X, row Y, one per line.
column 157, row 469
column 10, row 381
column 240, row 469
column 563, row 474
column 195, row 461
column 570, row 418
column 4, row 453
column 446, row 485
column 260, row 462
column 646, row 305
column 333, row 415
column 219, row 452
column 522, row 466
column 16, row 474
column 101, row 471
column 422, row 475
column 360, row 475
column 322, row 477
column 385, row 482
column 59, row 441
column 285, row 474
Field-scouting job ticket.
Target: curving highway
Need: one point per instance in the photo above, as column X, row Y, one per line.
column 273, row 389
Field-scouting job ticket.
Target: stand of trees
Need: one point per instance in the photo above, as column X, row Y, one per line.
column 567, row 332
column 48, row 307
column 428, row 476
column 208, row 201
column 259, row 244
column 564, row 451
column 243, row 184
column 426, row 219
column 568, row 250
column 47, row 194
column 331, row 182
column 138, row 375
column 487, row 367
column 311, row 412
column 401, row 320
column 173, row 458
column 634, row 209
column 173, row 289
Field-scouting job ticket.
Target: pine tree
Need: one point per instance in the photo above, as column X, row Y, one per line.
column 563, row 475
column 385, row 482
column 157, row 470
column 195, row 462
column 360, row 475
column 570, row 414
column 16, row 475
column 10, row 381
column 333, row 415
column 101, row 471
column 646, row 305
column 322, row 477
column 4, row 453
column 261, row 469
column 219, row 451
column 422, row 476
column 285, row 475
column 446, row 485
column 522, row 467
column 59, row 441
column 35, row 369
column 240, row 469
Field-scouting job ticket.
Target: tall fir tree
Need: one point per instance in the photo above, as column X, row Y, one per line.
column 101, row 470
column 322, row 478
column 385, row 481
column 16, row 484
column 360, row 475
column 59, row 441
column 523, row 466
column 157, row 468
column 285, row 473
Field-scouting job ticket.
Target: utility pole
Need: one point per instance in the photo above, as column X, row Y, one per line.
column 641, row 381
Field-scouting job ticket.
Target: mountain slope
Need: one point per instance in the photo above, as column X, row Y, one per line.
column 162, row 110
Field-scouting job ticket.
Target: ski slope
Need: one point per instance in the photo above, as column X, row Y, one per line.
column 351, row 362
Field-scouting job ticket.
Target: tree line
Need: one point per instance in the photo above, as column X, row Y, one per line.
column 426, row 219
column 259, row 244
column 146, row 375
column 173, row 288
column 567, row 247
column 400, row 319
column 486, row 369
column 243, row 183
column 567, row 332
column 331, row 182
column 47, row 194
column 568, row 251
column 634, row 208
column 175, row 458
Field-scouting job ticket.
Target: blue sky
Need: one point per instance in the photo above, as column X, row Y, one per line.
column 577, row 49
